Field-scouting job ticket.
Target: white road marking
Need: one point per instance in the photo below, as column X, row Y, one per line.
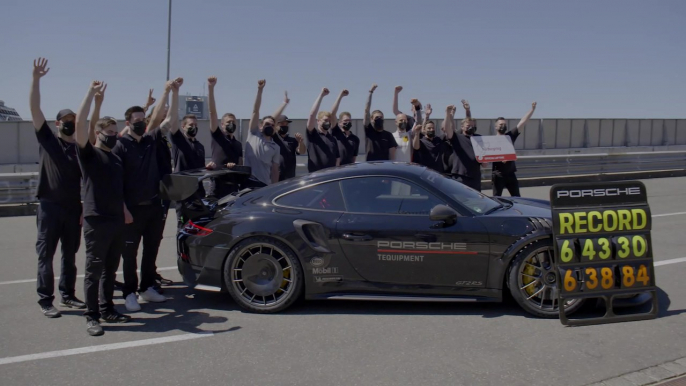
column 668, row 214
column 57, row 277
column 104, row 347
column 670, row 261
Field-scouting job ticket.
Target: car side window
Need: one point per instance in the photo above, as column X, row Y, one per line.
column 321, row 197
column 387, row 195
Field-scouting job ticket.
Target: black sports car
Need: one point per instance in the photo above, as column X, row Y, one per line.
column 375, row 231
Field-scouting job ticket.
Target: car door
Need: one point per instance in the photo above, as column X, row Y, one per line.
column 388, row 237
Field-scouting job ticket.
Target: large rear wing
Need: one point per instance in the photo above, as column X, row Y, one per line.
column 183, row 185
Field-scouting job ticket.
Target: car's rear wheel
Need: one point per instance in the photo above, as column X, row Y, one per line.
column 263, row 275
column 533, row 282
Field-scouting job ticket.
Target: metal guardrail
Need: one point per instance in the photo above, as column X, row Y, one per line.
column 20, row 188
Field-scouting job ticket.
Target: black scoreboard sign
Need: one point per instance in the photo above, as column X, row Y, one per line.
column 603, row 249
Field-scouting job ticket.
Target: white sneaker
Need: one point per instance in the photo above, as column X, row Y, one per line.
column 150, row 295
column 132, row 303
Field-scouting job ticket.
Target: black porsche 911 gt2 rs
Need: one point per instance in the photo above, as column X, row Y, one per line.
column 375, row 231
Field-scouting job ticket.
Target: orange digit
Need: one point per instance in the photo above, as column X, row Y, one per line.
column 608, row 280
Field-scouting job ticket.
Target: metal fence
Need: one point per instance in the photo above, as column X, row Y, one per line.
column 19, row 146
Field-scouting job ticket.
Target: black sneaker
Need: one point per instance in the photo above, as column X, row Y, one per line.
column 114, row 317
column 50, row 311
column 162, row 280
column 73, row 302
column 93, row 328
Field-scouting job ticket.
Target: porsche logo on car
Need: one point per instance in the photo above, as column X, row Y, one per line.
column 317, row 262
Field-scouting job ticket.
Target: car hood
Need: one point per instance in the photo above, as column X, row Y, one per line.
column 527, row 207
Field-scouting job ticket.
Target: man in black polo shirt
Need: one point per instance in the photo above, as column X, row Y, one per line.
column 225, row 147
column 466, row 168
column 59, row 211
column 381, row 144
column 104, row 214
column 428, row 147
column 322, row 146
column 138, row 152
column 504, row 175
column 348, row 143
column 289, row 146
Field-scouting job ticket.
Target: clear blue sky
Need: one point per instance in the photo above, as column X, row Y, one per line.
column 582, row 58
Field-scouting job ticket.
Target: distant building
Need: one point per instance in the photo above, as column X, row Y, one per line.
column 196, row 105
column 8, row 113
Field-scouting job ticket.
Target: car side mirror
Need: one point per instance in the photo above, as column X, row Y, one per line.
column 443, row 213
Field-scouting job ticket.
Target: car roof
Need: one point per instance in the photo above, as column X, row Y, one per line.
column 391, row 168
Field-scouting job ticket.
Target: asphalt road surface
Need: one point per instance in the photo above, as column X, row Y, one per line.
column 202, row 338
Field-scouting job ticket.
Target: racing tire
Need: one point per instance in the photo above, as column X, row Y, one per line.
column 532, row 281
column 263, row 275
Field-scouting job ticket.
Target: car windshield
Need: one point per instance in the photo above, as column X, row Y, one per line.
column 475, row 201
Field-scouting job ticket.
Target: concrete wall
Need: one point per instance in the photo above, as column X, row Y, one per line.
column 19, row 145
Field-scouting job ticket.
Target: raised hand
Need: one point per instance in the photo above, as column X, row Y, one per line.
column 398, row 89
column 100, row 95
column 465, row 104
column 416, row 128
column 39, row 69
column 427, row 109
column 344, row 92
column 415, row 102
column 261, row 83
column 285, row 98
column 325, row 91
column 179, row 81
column 374, row 86
column 533, row 105
column 96, row 86
column 299, row 137
column 212, row 81
column 151, row 101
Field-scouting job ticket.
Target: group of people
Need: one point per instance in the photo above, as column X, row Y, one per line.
column 107, row 181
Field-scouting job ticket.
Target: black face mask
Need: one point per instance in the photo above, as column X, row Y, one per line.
column 347, row 125
column 402, row 126
column 192, row 131
column 283, row 130
column 378, row 123
column 268, row 131
column 502, row 130
column 430, row 134
column 230, row 127
column 108, row 140
column 471, row 130
column 326, row 125
column 138, row 128
column 67, row 128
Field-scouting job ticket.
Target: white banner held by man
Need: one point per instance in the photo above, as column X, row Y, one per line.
column 493, row 148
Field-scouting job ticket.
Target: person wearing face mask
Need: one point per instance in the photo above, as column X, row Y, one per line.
column 466, row 168
column 504, row 173
column 261, row 152
column 322, row 146
column 404, row 123
column 348, row 143
column 144, row 211
column 225, row 147
column 381, row 144
column 428, row 148
column 104, row 214
column 58, row 217
column 289, row 148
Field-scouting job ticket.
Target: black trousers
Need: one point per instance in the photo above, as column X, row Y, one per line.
column 56, row 223
column 474, row 183
column 148, row 224
column 507, row 180
column 104, row 242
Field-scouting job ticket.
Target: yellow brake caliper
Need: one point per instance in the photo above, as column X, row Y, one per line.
column 531, row 271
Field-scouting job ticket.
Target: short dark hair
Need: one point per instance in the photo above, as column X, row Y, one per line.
column 230, row 115
column 133, row 109
column 268, row 117
column 499, row 118
column 432, row 122
column 189, row 116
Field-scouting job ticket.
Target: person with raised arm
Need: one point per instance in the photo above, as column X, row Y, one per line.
column 261, row 152
column 348, row 143
column 380, row 144
column 289, row 147
column 322, row 146
column 104, row 213
column 504, row 173
column 59, row 214
column 428, row 149
column 466, row 168
column 226, row 148
column 403, row 123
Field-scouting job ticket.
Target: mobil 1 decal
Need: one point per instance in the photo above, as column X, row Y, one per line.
column 603, row 248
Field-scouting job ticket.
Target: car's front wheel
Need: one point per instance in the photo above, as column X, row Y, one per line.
column 263, row 275
column 533, row 282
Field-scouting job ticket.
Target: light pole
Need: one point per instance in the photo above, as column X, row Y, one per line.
column 169, row 38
